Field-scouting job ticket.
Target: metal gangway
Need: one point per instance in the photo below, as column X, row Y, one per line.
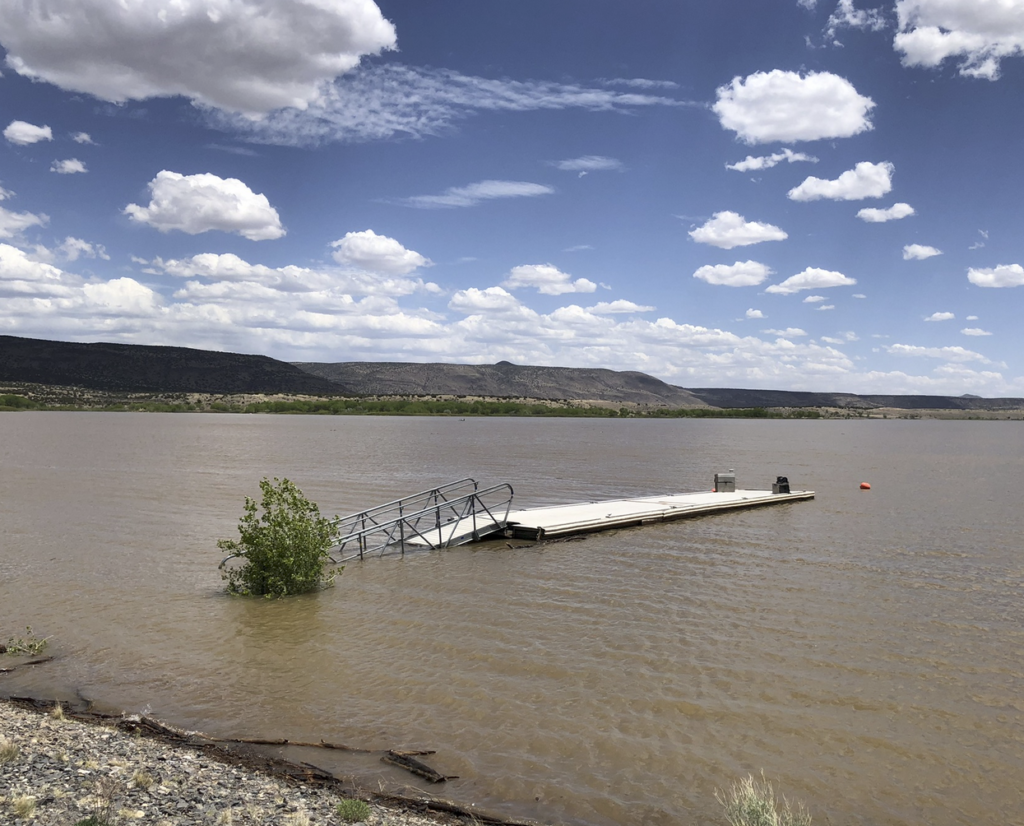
column 442, row 517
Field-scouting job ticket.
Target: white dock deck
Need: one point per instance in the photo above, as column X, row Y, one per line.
column 566, row 520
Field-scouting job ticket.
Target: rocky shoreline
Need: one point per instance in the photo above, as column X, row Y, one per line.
column 60, row 771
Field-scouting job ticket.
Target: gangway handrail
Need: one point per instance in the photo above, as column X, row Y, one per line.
column 408, row 526
column 378, row 512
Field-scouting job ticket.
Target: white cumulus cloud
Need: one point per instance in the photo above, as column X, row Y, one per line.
column 753, row 164
column 941, row 316
column 740, row 274
column 204, row 202
column 811, row 278
column 82, row 137
column 789, row 107
column 729, row 229
column 70, row 166
column 919, row 252
column 466, row 196
column 752, row 313
column 873, row 215
column 789, row 332
column 814, row 299
column 981, row 33
column 377, row 253
column 975, row 331
column 547, row 279
column 865, row 180
column 847, row 16
column 249, row 56
column 23, row 133
column 1005, row 275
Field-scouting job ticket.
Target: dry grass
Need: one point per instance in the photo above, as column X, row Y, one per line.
column 752, row 802
column 9, row 752
column 57, row 712
column 24, row 807
column 142, row 779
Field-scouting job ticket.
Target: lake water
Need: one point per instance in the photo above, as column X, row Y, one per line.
column 865, row 649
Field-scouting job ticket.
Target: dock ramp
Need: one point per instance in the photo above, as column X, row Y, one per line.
column 453, row 514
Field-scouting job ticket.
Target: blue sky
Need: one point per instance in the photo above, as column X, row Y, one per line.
column 789, row 194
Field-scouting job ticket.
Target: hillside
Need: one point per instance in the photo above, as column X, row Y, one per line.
column 503, row 380
column 142, row 368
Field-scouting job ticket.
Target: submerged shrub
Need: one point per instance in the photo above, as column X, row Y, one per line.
column 752, row 802
column 284, row 542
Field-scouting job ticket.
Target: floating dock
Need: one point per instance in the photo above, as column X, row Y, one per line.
column 460, row 512
column 567, row 520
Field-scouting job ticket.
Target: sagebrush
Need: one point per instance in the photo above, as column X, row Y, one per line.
column 284, row 544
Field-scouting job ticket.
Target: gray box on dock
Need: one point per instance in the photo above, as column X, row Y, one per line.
column 725, row 482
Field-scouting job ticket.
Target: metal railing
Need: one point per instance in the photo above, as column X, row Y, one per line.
column 441, row 517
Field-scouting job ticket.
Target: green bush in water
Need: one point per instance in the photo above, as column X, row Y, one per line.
column 284, row 542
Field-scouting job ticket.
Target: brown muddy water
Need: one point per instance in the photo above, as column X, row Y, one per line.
column 866, row 649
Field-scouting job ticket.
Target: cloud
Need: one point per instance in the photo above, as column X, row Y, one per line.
column 846, row 16
column 752, row 313
column 12, row 224
column 204, row 202
column 83, row 137
column 982, row 33
column 376, row 102
column 1005, row 275
column 547, row 279
column 377, row 253
column 975, row 331
column 248, row 56
column 825, row 307
column 814, row 299
column 22, row 276
column 466, row 196
column 879, row 216
column 940, row 317
column 23, row 134
column 740, row 274
column 492, row 299
column 71, row 249
column 811, row 278
column 227, row 269
column 789, row 332
column 955, row 354
column 752, row 164
column 789, row 107
column 729, row 229
column 642, row 83
column 68, row 167
column 919, row 252
column 589, row 163
column 865, row 180
column 807, row 4
column 618, row 306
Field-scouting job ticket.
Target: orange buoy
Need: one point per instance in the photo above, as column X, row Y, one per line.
column 865, row 486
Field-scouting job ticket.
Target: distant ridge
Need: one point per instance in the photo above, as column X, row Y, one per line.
column 144, row 368
column 503, row 380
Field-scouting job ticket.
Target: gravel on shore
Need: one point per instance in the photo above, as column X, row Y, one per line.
column 55, row 771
